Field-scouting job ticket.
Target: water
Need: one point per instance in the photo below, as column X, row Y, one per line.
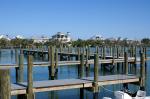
column 67, row 72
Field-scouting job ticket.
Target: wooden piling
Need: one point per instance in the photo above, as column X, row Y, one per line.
column 82, row 66
column 5, row 86
column 142, row 82
column 78, row 59
column 56, row 61
column 110, row 51
column 126, row 62
column 117, row 52
column 135, row 58
column 79, row 52
column 95, row 83
column 97, row 49
column 17, row 68
column 30, row 94
column 145, row 50
column 20, row 68
column 52, row 63
column 16, row 56
column 81, row 75
column 87, row 57
column 104, row 52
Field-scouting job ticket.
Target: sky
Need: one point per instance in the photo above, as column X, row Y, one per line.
column 82, row 18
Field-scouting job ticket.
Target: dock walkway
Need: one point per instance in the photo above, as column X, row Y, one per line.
column 86, row 82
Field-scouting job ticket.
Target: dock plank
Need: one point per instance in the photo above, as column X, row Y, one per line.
column 51, row 85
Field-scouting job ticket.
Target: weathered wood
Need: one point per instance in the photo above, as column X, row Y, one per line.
column 135, row 59
column 79, row 52
column 104, row 52
column 17, row 63
column 30, row 94
column 5, row 89
column 62, row 84
column 21, row 67
column 96, row 63
column 126, row 62
column 142, row 82
column 145, row 50
column 52, row 63
column 117, row 52
column 97, row 49
column 56, row 61
column 87, row 58
column 81, row 73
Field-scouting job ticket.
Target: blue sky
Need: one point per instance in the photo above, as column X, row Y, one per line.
column 83, row 18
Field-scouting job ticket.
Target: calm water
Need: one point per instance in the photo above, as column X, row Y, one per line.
column 68, row 72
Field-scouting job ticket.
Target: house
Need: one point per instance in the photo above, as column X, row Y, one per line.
column 5, row 37
column 19, row 37
column 62, row 37
column 97, row 37
column 41, row 39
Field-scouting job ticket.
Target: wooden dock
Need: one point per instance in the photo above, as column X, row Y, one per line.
column 86, row 82
column 27, row 89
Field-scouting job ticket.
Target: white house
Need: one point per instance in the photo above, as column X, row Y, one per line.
column 62, row 37
column 97, row 37
column 41, row 39
column 4, row 37
column 19, row 37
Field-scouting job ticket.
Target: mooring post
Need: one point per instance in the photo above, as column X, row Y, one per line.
column 81, row 66
column 78, row 59
column 117, row 52
column 125, row 86
column 81, row 74
column 96, row 63
column 5, row 85
column 17, row 64
column 79, row 51
column 30, row 94
column 142, row 82
column 104, row 52
column 110, row 51
column 56, row 61
column 49, row 59
column 87, row 58
column 135, row 58
column 69, row 51
column 126, row 62
column 95, row 83
column 118, row 64
column 52, row 63
column 113, row 52
column 21, row 67
column 61, row 49
column 97, row 49
column 145, row 50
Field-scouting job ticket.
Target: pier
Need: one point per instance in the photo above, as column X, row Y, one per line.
column 82, row 59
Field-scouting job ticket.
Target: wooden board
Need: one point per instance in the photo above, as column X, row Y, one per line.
column 51, row 85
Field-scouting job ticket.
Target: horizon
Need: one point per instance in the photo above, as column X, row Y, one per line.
column 83, row 19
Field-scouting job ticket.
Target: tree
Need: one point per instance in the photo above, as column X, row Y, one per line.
column 4, row 43
column 145, row 41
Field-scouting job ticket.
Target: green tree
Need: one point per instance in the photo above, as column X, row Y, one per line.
column 4, row 43
column 145, row 41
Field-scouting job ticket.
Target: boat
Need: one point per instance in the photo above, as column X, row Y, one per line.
column 140, row 94
column 123, row 95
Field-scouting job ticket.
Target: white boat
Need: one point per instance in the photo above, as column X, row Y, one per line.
column 123, row 95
